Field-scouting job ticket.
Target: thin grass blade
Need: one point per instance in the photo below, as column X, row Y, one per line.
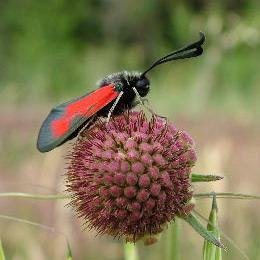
column 69, row 253
column 205, row 178
column 2, row 254
column 199, row 228
column 210, row 251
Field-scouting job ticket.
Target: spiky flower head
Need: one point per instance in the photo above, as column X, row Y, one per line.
column 131, row 176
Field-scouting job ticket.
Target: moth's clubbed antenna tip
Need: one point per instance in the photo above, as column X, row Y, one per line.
column 200, row 43
column 192, row 50
column 202, row 38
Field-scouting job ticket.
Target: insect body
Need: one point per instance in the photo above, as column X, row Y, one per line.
column 115, row 93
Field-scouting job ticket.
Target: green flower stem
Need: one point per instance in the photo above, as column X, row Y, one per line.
column 33, row 196
column 130, row 251
column 172, row 241
column 225, row 195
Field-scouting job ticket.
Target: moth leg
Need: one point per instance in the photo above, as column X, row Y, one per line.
column 114, row 105
column 87, row 125
column 139, row 98
column 142, row 102
column 151, row 110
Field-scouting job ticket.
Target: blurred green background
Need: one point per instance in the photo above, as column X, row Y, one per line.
column 54, row 50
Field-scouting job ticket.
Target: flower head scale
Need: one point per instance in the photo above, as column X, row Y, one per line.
column 131, row 176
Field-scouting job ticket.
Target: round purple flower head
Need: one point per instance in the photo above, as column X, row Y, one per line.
column 131, row 176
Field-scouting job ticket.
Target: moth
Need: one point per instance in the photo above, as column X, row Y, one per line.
column 115, row 94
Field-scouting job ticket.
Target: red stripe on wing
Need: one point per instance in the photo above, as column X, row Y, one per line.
column 87, row 107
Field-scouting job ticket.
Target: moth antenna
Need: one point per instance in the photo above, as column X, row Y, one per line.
column 189, row 51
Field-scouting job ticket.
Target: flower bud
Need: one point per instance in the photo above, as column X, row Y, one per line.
column 130, row 176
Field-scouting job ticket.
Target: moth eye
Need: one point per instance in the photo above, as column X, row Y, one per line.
column 142, row 83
